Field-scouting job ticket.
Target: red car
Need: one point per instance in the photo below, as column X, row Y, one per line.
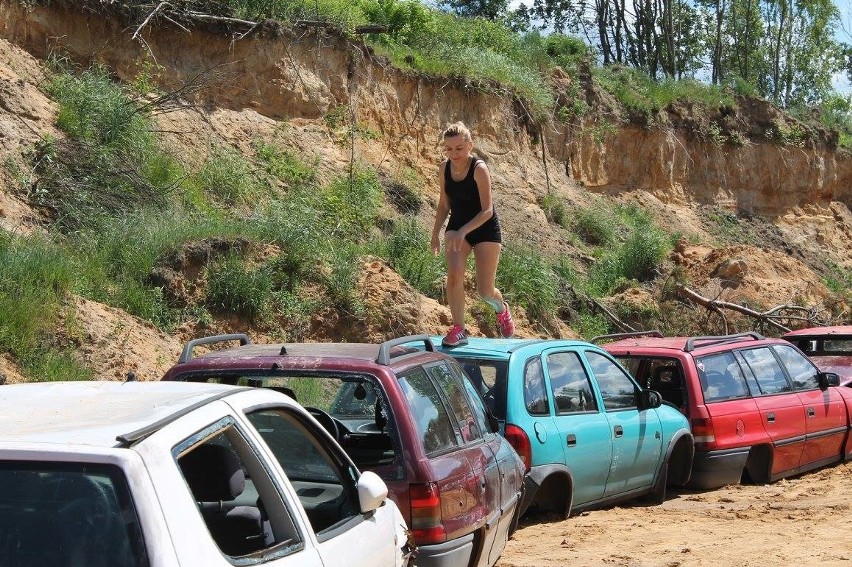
column 411, row 416
column 759, row 409
column 830, row 348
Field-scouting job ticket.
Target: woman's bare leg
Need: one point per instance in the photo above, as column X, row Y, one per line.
column 487, row 256
column 456, row 267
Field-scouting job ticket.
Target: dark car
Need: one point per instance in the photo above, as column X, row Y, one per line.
column 410, row 415
column 758, row 407
column 830, row 348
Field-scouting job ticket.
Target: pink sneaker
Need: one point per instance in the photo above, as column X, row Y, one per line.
column 504, row 319
column 456, row 336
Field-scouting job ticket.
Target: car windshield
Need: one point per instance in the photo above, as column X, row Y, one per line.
column 51, row 513
column 351, row 407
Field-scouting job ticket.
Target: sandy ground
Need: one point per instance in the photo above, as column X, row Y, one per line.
column 801, row 521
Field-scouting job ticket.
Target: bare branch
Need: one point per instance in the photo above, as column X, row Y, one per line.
column 148, row 19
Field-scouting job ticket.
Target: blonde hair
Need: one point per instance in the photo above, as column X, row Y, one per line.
column 457, row 129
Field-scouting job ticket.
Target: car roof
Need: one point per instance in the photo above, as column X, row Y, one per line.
column 501, row 348
column 397, row 354
column 96, row 412
column 695, row 344
column 819, row 331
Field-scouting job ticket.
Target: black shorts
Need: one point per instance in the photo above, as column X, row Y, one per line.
column 489, row 231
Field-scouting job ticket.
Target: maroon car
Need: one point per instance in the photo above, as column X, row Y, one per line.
column 409, row 415
column 830, row 348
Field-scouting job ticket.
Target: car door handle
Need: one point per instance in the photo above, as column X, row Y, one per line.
column 618, row 430
column 811, row 412
column 770, row 417
column 571, row 440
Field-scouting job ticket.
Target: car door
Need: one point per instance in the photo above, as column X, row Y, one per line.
column 582, row 428
column 636, row 434
column 825, row 410
column 781, row 410
column 325, row 482
column 483, row 479
column 509, row 466
column 205, row 537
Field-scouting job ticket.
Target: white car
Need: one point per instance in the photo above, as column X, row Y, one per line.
column 152, row 474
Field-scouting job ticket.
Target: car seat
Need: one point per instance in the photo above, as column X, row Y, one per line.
column 668, row 381
column 216, row 479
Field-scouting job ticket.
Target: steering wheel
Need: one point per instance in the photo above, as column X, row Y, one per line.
column 326, row 420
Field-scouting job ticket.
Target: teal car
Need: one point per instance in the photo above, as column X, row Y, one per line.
column 587, row 432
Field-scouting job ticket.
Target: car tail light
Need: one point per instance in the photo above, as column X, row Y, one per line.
column 426, row 525
column 702, row 431
column 518, row 439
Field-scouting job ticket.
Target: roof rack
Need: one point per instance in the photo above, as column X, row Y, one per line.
column 616, row 336
column 714, row 340
column 186, row 354
column 384, row 357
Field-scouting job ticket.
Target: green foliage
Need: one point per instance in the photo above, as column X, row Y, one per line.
column 525, row 277
column 344, row 14
column 594, row 225
column 285, row 165
column 341, row 278
column 839, row 280
column 233, row 287
column 554, row 209
column 228, row 176
column 636, row 258
column 111, row 162
column 407, row 251
column 638, row 92
column 589, row 325
column 35, row 278
column 350, row 205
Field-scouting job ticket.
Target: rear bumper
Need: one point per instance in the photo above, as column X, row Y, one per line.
column 454, row 553
column 712, row 469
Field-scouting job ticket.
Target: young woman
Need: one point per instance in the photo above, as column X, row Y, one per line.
column 473, row 226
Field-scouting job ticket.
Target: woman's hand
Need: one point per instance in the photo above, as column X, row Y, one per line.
column 453, row 240
column 435, row 244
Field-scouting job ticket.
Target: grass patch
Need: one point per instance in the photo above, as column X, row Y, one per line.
column 406, row 249
column 525, row 277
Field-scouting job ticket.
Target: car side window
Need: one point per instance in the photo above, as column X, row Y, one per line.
column 477, row 404
column 569, row 383
column 324, row 481
column 239, row 502
column 535, row 393
column 721, row 377
column 617, row 389
column 801, row 371
column 459, row 406
column 766, row 369
column 68, row 513
column 429, row 413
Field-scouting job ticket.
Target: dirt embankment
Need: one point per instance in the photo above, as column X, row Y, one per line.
column 281, row 85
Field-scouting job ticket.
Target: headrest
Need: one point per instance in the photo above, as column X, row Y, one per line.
column 213, row 473
column 669, row 375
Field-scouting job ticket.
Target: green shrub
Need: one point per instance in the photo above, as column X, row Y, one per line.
column 595, row 225
column 350, row 205
column 554, row 209
column 228, row 176
column 637, row 258
column 234, row 288
column 526, row 278
column 407, row 251
column 285, row 165
column 110, row 163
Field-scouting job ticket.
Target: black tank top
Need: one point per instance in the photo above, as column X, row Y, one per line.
column 463, row 196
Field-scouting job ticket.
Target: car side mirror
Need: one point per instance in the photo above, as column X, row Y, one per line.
column 372, row 491
column 826, row 379
column 649, row 399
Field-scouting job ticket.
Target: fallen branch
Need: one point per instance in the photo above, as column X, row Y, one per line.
column 148, row 19
column 768, row 317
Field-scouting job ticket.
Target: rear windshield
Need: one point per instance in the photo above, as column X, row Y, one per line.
column 76, row 514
